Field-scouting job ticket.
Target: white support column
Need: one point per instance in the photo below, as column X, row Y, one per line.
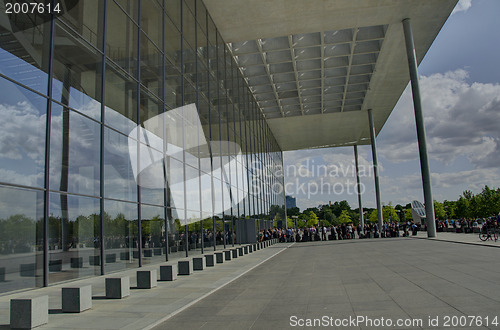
column 361, row 217
column 375, row 169
column 419, row 120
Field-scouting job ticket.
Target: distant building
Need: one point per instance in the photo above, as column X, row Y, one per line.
column 418, row 212
column 290, row 202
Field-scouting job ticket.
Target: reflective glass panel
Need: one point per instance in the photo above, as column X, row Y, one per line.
column 74, row 237
column 120, row 235
column 77, row 73
column 121, row 38
column 21, row 238
column 74, row 152
column 24, row 49
column 120, row 160
column 22, row 138
column 153, row 234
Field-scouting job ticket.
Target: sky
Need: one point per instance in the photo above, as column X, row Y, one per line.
column 460, row 91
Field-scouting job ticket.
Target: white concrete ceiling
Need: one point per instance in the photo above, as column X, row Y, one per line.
column 316, row 66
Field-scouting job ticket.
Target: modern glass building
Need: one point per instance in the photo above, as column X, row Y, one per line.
column 127, row 137
column 132, row 133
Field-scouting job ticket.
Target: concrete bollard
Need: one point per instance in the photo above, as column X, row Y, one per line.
column 168, row 272
column 185, row 267
column 28, row 313
column 240, row 251
column 117, row 287
column 199, row 263
column 234, row 253
column 227, row 255
column 219, row 257
column 76, row 299
column 147, row 279
column 209, row 260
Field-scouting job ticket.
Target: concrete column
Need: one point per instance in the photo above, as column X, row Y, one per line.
column 361, row 217
column 419, row 120
column 375, row 169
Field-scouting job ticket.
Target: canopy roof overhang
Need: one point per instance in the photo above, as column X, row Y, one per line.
column 315, row 67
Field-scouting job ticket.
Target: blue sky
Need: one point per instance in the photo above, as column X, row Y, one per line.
column 460, row 87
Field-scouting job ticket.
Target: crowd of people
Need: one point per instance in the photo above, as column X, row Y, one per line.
column 339, row 232
column 467, row 226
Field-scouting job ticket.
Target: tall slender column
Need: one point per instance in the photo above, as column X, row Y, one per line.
column 375, row 169
column 419, row 120
column 361, row 217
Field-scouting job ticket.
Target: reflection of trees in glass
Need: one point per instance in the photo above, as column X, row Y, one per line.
column 83, row 230
column 17, row 234
column 152, row 231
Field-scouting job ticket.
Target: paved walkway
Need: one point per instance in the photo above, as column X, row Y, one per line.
column 397, row 279
column 462, row 238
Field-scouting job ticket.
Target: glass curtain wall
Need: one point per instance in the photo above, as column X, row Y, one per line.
column 128, row 137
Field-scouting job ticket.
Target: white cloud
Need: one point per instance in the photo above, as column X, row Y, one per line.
column 460, row 119
column 462, row 5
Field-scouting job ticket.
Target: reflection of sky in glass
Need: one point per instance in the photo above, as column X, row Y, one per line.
column 148, row 170
column 22, row 147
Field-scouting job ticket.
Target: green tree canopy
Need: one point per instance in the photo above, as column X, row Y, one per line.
column 344, row 217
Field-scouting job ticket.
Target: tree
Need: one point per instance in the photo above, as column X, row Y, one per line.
column 313, row 219
column 329, row 216
column 389, row 213
column 344, row 217
column 462, row 208
column 408, row 214
column 293, row 211
column 439, row 210
column 373, row 216
column 302, row 220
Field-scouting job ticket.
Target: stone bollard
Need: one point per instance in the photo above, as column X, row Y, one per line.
column 219, row 257
column 234, row 253
column 185, row 267
column 199, row 263
column 117, row 287
column 147, row 279
column 28, row 313
column 168, row 272
column 209, row 260
column 76, row 299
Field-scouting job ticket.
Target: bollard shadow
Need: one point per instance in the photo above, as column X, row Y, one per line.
column 99, row 297
column 55, row 311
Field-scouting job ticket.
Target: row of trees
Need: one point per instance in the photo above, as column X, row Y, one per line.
column 468, row 206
